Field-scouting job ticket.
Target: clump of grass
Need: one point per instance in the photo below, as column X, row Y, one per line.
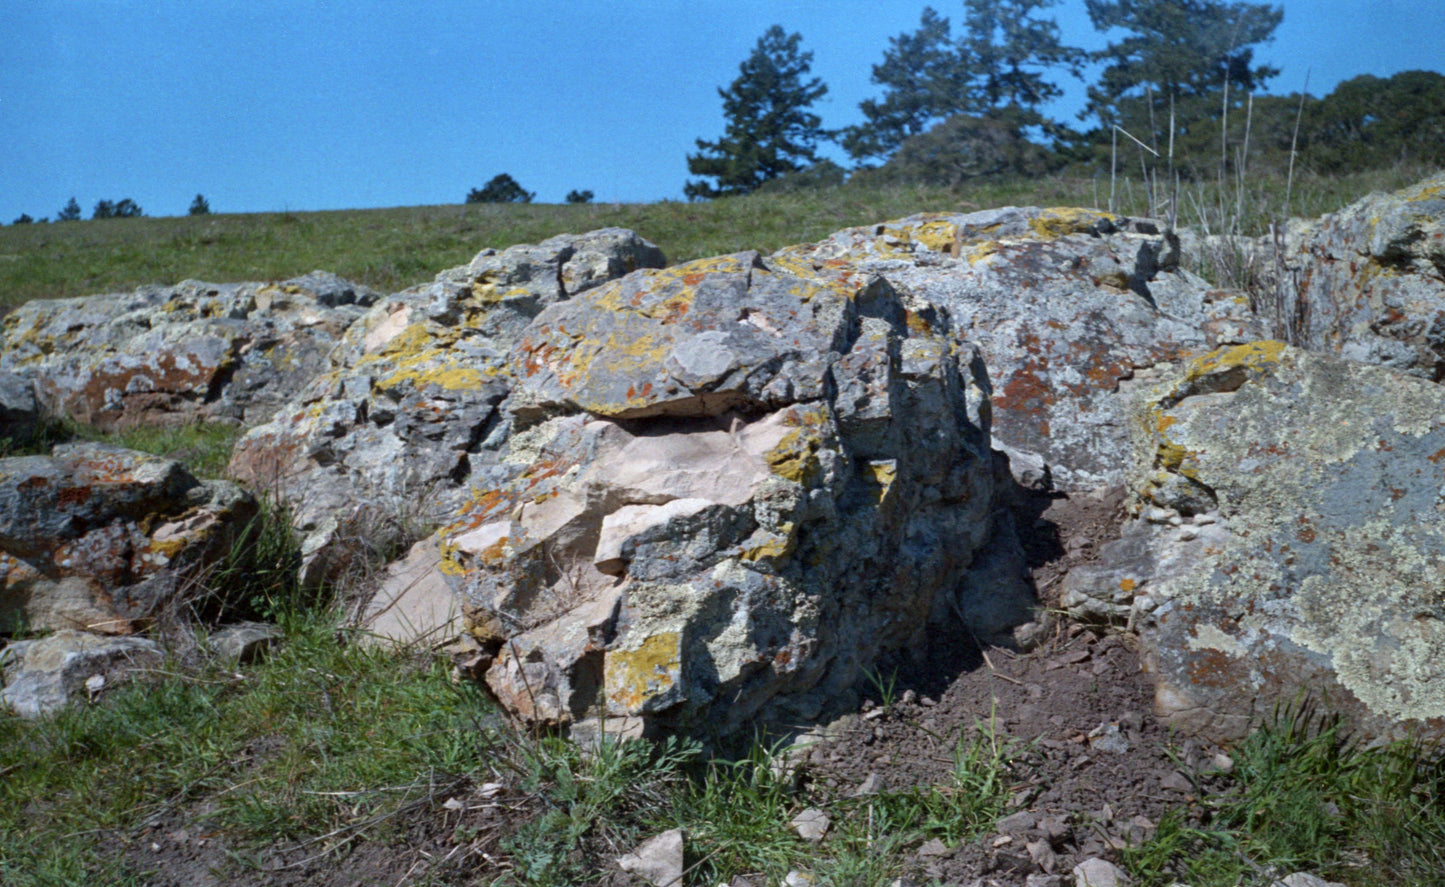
column 1307, row 798
column 204, row 448
column 320, row 738
column 590, row 804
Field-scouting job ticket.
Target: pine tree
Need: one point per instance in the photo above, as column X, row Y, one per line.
column 199, row 206
column 999, row 68
column 925, row 80
column 1179, row 53
column 769, row 130
column 70, row 213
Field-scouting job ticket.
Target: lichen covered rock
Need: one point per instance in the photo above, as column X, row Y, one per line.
column 407, row 408
column 728, row 489
column 171, row 355
column 1368, row 282
column 1290, row 539
column 1065, row 306
column 99, row 538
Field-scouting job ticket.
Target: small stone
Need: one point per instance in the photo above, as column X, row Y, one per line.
column 933, row 848
column 874, row 784
column 1042, row 855
column 1016, row 823
column 811, row 825
column 1222, row 763
column 1304, row 879
column 1108, row 738
column 1177, row 781
column 796, row 878
column 1037, row 880
column 1055, row 828
column 1099, row 873
column 658, row 860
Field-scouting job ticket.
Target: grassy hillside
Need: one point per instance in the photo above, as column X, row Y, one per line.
column 390, row 249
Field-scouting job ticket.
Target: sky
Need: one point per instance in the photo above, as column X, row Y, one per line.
column 265, row 105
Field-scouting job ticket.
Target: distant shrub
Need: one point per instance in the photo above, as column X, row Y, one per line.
column 823, row 174
column 963, row 148
column 501, row 189
column 580, row 196
column 70, row 213
column 23, row 220
column 122, row 209
column 199, row 207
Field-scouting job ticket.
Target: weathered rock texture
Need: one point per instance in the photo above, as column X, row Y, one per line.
column 1065, row 306
column 191, row 352
column 1291, row 538
column 672, row 496
column 1369, row 280
column 407, row 409
column 728, row 488
column 43, row 675
column 100, row 538
column 20, row 418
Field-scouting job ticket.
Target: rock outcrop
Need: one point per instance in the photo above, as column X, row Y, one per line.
column 100, row 538
column 1368, row 282
column 171, row 355
column 407, row 409
column 729, row 489
column 1290, row 538
column 1065, row 306
column 668, row 497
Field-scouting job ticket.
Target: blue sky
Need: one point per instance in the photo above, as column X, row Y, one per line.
column 266, row 105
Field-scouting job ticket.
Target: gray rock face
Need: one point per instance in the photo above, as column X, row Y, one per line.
column 1290, row 537
column 728, row 489
column 1065, row 306
column 97, row 537
column 1370, row 280
column 19, row 410
column 42, row 676
column 407, row 407
column 714, row 482
column 190, row 352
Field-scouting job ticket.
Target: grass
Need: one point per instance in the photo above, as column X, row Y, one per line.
column 1307, row 798
column 203, row 448
column 315, row 740
column 390, row 249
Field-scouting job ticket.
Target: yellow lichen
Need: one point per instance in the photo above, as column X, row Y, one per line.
column 631, row 677
column 774, row 546
column 1060, row 221
column 1252, row 355
column 982, row 251
column 796, row 457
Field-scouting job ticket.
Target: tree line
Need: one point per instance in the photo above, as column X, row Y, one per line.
column 1181, row 77
column 125, row 208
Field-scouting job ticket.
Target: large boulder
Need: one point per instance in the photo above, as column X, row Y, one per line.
column 99, row 538
column 679, row 497
column 387, row 438
column 727, row 492
column 1065, row 305
column 1289, row 539
column 185, row 353
column 1368, row 282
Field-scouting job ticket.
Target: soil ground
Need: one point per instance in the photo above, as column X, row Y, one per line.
column 1094, row 770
